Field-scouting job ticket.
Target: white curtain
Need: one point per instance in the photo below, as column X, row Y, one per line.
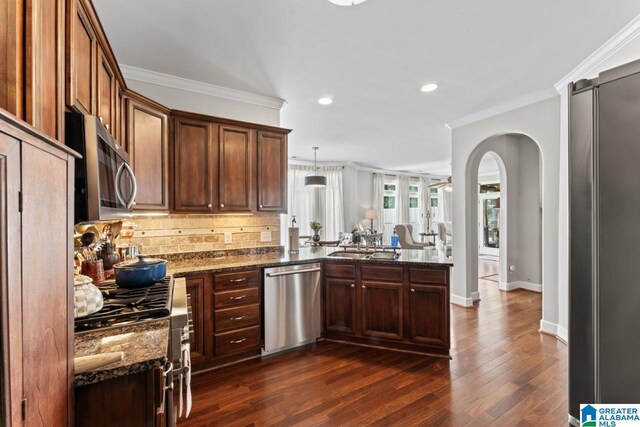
column 447, row 203
column 325, row 205
column 424, row 204
column 378, row 200
column 402, row 202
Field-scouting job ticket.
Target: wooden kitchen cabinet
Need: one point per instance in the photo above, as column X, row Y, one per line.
column 428, row 320
column 106, row 93
column 196, row 293
column 391, row 306
column 194, row 154
column 236, row 176
column 382, row 314
column 36, row 298
column 272, row 172
column 340, row 305
column 81, row 54
column 147, row 142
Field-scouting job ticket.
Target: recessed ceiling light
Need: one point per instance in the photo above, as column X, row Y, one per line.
column 347, row 2
column 325, row 101
column 429, row 87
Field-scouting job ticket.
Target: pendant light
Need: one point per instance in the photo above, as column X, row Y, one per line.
column 315, row 179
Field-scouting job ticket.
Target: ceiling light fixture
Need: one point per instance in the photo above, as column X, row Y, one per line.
column 315, row 179
column 347, row 2
column 429, row 87
column 325, row 101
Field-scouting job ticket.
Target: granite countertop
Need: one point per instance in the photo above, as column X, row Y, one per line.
column 306, row 255
column 144, row 346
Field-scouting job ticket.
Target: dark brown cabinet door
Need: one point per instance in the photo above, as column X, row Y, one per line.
column 194, row 155
column 428, row 321
column 382, row 310
column 272, row 172
column 47, row 295
column 44, row 65
column 106, row 93
column 236, row 179
column 340, row 305
column 148, row 145
column 81, row 56
column 196, row 295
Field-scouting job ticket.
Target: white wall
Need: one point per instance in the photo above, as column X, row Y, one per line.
column 540, row 122
column 179, row 99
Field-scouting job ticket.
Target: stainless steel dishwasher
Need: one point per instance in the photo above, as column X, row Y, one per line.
column 292, row 304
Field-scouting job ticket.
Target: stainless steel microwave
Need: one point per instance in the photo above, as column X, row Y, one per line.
column 105, row 186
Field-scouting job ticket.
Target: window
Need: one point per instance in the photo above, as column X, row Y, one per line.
column 414, row 211
column 435, row 205
column 390, row 216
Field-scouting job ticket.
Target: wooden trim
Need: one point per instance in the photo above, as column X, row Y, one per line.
column 70, row 295
column 24, row 131
column 12, row 73
column 128, row 93
column 399, row 350
column 223, row 121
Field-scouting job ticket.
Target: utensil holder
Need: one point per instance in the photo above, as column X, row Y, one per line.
column 94, row 269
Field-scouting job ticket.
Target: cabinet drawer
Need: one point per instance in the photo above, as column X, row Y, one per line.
column 420, row 275
column 236, row 318
column 237, row 298
column 237, row 280
column 382, row 273
column 347, row 271
column 230, row 343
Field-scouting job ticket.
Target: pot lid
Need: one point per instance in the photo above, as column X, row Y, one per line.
column 79, row 280
column 142, row 261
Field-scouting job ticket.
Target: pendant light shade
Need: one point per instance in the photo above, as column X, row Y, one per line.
column 315, row 179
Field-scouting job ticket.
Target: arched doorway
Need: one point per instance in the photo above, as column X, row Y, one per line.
column 519, row 164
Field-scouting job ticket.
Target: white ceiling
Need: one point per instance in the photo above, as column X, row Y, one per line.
column 372, row 59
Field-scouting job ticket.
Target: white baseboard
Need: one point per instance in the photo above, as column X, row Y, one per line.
column 510, row 286
column 563, row 334
column 475, row 296
column 548, row 327
column 461, row 301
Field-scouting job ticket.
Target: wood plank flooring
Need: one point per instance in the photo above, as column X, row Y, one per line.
column 503, row 373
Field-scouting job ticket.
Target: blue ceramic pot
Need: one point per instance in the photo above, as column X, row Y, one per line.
column 141, row 272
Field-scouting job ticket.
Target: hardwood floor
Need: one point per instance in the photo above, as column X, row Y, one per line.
column 503, row 373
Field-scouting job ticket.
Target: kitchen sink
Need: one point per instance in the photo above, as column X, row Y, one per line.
column 383, row 255
column 350, row 254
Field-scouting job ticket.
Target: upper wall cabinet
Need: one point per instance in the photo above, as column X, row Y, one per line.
column 32, row 62
column 147, row 142
column 272, row 172
column 106, row 93
column 236, row 169
column 193, row 159
column 82, row 54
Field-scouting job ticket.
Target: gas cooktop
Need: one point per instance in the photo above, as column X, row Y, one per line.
column 125, row 306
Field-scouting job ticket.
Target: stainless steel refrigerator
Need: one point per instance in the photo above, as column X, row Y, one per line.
column 604, row 198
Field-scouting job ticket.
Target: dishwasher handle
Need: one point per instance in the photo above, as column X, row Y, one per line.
column 292, row 272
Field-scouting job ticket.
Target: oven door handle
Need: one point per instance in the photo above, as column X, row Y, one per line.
column 134, row 186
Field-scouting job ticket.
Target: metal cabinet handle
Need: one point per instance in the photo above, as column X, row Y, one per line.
column 100, row 118
column 209, row 205
column 168, row 387
column 237, row 298
column 353, row 286
column 364, row 287
column 238, row 341
column 222, row 205
column 413, row 290
column 106, row 126
column 237, row 280
column 260, row 206
column 237, row 318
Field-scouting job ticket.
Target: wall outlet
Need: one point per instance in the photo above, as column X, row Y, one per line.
column 265, row 236
column 228, row 238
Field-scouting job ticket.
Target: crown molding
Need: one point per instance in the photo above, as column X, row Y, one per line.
column 175, row 82
column 513, row 104
column 360, row 168
column 591, row 65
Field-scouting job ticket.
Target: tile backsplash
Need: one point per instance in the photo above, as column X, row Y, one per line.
column 174, row 234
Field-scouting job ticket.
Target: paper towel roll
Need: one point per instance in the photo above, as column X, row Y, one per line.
column 294, row 239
